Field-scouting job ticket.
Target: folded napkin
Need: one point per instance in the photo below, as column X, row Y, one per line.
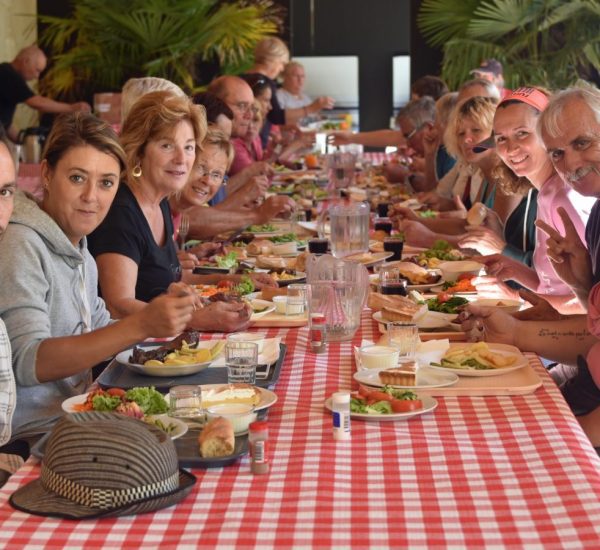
column 431, row 351
column 269, row 355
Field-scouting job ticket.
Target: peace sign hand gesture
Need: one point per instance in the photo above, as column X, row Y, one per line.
column 569, row 256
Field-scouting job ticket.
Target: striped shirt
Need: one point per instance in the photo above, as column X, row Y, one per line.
column 7, row 386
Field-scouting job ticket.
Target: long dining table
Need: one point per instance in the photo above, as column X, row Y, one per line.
column 509, row 471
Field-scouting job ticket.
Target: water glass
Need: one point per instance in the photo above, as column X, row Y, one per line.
column 296, row 299
column 241, row 359
column 405, row 337
column 349, row 228
column 185, row 401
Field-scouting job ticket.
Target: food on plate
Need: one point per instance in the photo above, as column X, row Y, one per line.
column 231, row 393
column 217, row 438
column 286, row 238
column 259, row 246
column 462, row 284
column 284, row 276
column 404, row 375
column 475, row 357
column 136, row 402
column 139, row 356
column 415, row 274
column 446, row 303
column 245, row 286
column 441, row 251
column 275, row 262
column 264, row 228
column 427, row 214
column 476, row 214
column 284, row 248
column 386, row 400
column 394, row 307
column 362, row 258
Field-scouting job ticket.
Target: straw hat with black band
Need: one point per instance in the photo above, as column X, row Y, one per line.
column 99, row 464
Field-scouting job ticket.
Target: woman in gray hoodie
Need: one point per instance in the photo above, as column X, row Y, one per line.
column 58, row 326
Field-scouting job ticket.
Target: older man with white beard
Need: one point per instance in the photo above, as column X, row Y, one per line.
column 570, row 128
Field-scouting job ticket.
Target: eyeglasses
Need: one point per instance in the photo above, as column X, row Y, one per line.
column 215, row 177
column 412, row 133
column 242, row 106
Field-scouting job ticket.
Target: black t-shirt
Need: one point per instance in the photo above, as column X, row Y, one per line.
column 592, row 238
column 513, row 230
column 126, row 231
column 13, row 90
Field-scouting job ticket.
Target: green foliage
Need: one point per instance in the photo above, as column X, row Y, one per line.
column 105, row 42
column 550, row 43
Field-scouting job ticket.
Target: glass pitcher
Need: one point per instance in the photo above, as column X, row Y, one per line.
column 348, row 227
column 338, row 289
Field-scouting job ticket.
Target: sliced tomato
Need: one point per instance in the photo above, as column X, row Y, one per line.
column 443, row 297
column 363, row 391
column 115, row 392
column 406, row 405
column 465, row 277
column 380, row 396
column 225, row 284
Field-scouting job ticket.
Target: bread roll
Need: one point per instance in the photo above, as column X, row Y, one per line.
column 217, row 439
column 268, row 292
column 259, row 246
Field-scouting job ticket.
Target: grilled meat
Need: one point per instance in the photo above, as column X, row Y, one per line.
column 139, row 355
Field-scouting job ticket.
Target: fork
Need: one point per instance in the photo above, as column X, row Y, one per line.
column 184, row 228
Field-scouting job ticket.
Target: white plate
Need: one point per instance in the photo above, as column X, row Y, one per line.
column 164, row 370
column 261, row 303
column 372, row 259
column 68, row 405
column 432, row 320
column 429, row 404
column 181, row 427
column 502, row 349
column 426, row 378
column 267, row 397
column 374, row 280
column 313, row 227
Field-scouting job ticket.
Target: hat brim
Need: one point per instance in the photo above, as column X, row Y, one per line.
column 482, row 146
column 33, row 498
column 480, row 70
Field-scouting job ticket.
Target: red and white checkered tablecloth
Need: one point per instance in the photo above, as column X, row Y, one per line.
column 477, row 472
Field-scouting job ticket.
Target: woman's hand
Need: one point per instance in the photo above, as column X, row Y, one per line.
column 489, row 324
column 491, row 287
column 416, row 234
column 403, row 213
column 169, row 314
column 187, row 260
column 205, row 250
column 433, row 201
column 222, row 317
column 482, row 239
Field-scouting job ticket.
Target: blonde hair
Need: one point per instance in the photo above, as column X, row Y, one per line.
column 155, row 114
column 480, row 110
column 80, row 129
column 271, row 49
column 444, row 106
column 217, row 138
column 135, row 88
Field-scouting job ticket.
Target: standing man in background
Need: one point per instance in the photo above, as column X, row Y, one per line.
column 27, row 65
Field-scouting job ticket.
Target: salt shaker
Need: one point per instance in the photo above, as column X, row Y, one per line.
column 317, row 332
column 340, row 406
column 258, row 439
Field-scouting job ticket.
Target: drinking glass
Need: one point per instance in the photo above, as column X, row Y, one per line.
column 185, row 401
column 405, row 337
column 390, row 281
column 296, row 299
column 241, row 359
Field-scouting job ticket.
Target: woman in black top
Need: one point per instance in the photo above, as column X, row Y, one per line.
column 134, row 247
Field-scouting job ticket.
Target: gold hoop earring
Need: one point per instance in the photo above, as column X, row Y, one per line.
column 137, row 171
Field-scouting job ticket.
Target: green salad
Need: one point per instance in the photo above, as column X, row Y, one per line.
column 148, row 399
column 228, row 261
column 446, row 306
column 264, row 228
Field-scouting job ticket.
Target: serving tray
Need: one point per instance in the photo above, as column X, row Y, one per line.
column 117, row 375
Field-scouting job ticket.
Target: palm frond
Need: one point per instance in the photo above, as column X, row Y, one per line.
column 441, row 20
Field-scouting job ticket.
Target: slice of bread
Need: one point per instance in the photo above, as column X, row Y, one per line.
column 217, row 438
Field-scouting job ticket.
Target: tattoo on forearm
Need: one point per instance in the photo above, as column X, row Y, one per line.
column 557, row 334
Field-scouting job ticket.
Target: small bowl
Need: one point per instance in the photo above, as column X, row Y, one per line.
column 257, row 339
column 451, row 270
column 241, row 415
column 280, row 303
column 284, row 248
column 378, row 357
column 505, row 304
